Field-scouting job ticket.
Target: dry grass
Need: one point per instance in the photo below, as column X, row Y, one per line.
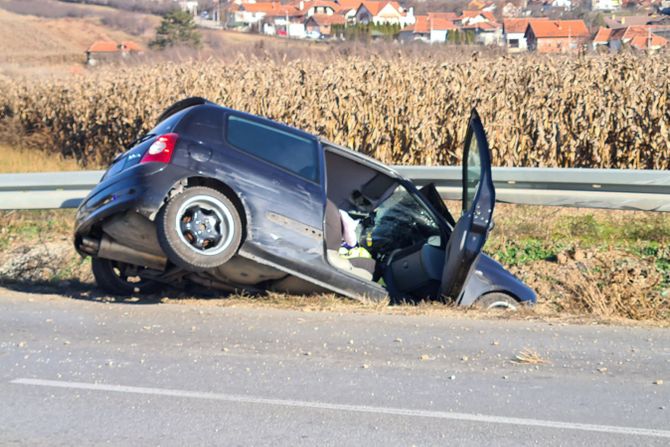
column 529, row 356
column 595, row 111
column 16, row 160
column 618, row 276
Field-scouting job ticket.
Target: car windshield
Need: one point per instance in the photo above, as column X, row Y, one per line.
column 399, row 221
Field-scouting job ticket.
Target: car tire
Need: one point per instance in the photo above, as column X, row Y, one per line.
column 497, row 301
column 115, row 278
column 199, row 229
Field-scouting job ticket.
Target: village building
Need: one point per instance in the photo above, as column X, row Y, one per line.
column 348, row 9
column 483, row 24
column 638, row 37
column 605, row 5
column 514, row 34
column 384, row 13
column 322, row 24
column 105, row 50
column 428, row 28
column 557, row 36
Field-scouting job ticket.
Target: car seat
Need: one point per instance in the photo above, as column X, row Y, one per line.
column 361, row 267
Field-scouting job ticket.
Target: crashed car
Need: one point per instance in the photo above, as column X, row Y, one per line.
column 223, row 199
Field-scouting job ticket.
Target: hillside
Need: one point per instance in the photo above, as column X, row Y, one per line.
column 31, row 42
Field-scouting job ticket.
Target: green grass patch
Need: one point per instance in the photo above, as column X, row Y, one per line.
column 516, row 253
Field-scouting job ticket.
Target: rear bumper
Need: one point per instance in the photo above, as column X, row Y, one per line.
column 141, row 188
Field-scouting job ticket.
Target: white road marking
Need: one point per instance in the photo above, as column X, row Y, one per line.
column 469, row 417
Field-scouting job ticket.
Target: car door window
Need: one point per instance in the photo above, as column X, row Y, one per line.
column 470, row 232
column 473, row 173
column 289, row 151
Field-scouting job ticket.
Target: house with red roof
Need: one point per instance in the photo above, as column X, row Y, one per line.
column 472, row 17
column 483, row 24
column 557, row 36
column 384, row 12
column 514, row 33
column 322, row 7
column 108, row 50
column 638, row 37
column 323, row 23
column 267, row 17
column 348, row 9
column 431, row 28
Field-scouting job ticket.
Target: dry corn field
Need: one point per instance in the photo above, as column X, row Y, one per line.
column 588, row 112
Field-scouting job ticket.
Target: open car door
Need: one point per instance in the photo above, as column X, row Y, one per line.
column 470, row 232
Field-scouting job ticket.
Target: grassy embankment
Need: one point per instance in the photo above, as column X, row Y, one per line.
column 604, row 265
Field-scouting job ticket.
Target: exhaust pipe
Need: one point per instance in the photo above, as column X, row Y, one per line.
column 110, row 249
column 89, row 245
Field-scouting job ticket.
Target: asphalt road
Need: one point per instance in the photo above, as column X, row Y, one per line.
column 75, row 372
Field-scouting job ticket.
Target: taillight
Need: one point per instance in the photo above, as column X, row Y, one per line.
column 161, row 150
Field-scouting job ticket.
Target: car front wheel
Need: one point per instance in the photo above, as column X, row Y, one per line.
column 497, row 301
column 199, row 229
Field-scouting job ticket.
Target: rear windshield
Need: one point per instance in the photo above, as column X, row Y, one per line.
column 168, row 124
column 205, row 123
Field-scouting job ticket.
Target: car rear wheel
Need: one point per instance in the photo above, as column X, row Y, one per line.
column 199, row 229
column 497, row 301
column 119, row 278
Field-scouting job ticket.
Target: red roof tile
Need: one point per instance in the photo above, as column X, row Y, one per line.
column 321, row 3
column 518, row 25
column 348, row 5
column 131, row 46
column 648, row 42
column 559, row 28
column 424, row 24
column 103, row 46
column 325, row 19
column 471, row 14
column 375, row 7
column 603, row 35
column 451, row 16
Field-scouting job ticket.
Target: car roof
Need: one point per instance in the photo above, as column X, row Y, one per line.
column 358, row 157
column 262, row 119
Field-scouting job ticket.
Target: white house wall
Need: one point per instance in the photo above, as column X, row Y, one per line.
column 297, row 30
column 438, row 36
column 521, row 37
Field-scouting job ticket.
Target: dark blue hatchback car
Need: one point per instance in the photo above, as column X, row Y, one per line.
column 231, row 201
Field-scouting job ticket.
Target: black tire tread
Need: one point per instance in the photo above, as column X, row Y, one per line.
column 106, row 279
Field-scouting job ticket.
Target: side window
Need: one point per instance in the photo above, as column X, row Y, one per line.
column 296, row 154
column 204, row 124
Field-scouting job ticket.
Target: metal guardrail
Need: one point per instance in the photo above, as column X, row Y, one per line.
column 588, row 188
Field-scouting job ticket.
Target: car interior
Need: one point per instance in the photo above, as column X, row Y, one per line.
column 402, row 238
